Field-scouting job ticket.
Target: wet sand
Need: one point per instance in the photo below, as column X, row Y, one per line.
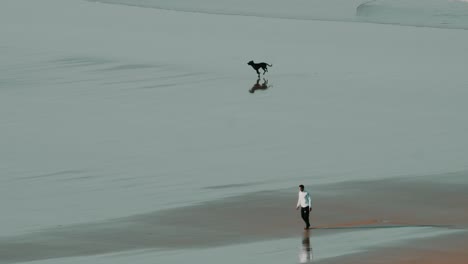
column 267, row 215
column 447, row 249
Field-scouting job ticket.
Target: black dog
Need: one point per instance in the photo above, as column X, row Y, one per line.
column 261, row 65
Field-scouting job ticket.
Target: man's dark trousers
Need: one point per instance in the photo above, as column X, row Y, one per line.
column 305, row 215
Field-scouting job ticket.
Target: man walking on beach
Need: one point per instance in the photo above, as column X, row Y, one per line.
column 304, row 202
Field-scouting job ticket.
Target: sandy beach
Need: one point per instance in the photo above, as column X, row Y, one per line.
column 345, row 208
column 130, row 132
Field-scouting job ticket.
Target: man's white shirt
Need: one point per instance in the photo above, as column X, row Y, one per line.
column 304, row 199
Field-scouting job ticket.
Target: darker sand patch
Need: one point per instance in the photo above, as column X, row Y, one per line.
column 81, row 61
column 229, row 186
column 254, row 217
column 126, row 67
column 447, row 249
column 58, row 174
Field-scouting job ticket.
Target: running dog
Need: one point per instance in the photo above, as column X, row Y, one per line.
column 261, row 65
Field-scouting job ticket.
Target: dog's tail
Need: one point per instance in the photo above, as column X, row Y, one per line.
column 269, row 65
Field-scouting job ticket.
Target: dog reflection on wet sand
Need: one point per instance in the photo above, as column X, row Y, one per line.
column 258, row 86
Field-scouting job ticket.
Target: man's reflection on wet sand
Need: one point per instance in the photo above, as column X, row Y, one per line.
column 306, row 254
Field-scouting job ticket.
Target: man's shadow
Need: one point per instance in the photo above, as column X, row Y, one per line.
column 306, row 254
column 258, row 86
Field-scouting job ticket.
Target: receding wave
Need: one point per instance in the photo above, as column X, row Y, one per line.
column 425, row 13
column 339, row 10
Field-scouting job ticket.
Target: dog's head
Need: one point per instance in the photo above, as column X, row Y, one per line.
column 250, row 62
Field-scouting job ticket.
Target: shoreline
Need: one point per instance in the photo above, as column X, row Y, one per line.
column 337, row 209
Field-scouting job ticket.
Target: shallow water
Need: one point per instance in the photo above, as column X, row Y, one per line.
column 104, row 117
